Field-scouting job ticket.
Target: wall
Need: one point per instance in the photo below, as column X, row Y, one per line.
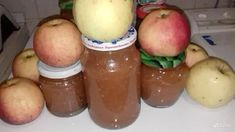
column 35, row 10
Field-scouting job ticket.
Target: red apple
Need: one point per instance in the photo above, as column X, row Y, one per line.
column 194, row 54
column 21, row 101
column 57, row 43
column 25, row 65
column 164, row 32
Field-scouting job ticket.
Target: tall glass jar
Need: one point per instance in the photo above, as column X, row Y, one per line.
column 63, row 89
column 161, row 87
column 112, row 81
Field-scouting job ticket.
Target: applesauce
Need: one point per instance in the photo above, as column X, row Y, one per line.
column 162, row 87
column 63, row 89
column 112, row 81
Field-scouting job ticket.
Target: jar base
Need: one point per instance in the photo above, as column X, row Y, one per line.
column 159, row 105
column 66, row 115
column 115, row 126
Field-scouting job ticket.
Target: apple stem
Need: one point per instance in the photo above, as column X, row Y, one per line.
column 163, row 14
column 221, row 69
column 29, row 56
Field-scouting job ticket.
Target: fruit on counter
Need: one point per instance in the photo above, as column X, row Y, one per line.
column 21, row 101
column 164, row 32
column 195, row 53
column 103, row 20
column 57, row 43
column 25, row 65
column 211, row 82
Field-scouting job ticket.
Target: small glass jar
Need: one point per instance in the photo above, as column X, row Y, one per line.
column 112, row 81
column 162, row 87
column 63, row 89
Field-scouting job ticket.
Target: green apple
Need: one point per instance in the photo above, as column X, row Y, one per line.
column 211, row 82
column 194, row 53
column 103, row 20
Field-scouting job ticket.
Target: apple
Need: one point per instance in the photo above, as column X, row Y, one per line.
column 164, row 32
column 25, row 65
column 57, row 43
column 103, row 20
column 211, row 82
column 21, row 101
column 194, row 53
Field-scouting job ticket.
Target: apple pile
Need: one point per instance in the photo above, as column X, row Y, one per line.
column 21, row 99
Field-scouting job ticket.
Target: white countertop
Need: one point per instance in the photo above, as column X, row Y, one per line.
column 184, row 116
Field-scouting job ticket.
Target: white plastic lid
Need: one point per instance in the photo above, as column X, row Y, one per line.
column 127, row 40
column 57, row 72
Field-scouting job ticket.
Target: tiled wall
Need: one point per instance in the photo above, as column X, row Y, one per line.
column 35, row 10
column 192, row 4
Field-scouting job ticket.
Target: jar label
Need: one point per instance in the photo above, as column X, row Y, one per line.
column 127, row 40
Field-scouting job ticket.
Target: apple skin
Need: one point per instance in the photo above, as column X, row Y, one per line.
column 57, row 43
column 194, row 54
column 103, row 20
column 164, row 32
column 21, row 101
column 211, row 82
column 25, row 65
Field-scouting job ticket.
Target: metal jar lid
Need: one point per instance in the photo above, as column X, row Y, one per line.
column 127, row 40
column 58, row 72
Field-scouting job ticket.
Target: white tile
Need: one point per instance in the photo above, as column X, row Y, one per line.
column 205, row 3
column 28, row 7
column 47, row 7
column 224, row 3
column 183, row 4
column 31, row 24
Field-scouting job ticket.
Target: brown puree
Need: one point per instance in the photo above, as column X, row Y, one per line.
column 162, row 87
column 112, row 81
column 64, row 97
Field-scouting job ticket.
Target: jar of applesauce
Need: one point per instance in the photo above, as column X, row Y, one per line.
column 63, row 89
column 162, row 86
column 112, row 81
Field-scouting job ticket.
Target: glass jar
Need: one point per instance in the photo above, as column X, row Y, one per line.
column 63, row 89
column 112, row 81
column 162, row 87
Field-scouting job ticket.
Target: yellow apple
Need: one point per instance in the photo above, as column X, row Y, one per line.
column 25, row 65
column 103, row 20
column 211, row 82
column 194, row 53
column 21, row 101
